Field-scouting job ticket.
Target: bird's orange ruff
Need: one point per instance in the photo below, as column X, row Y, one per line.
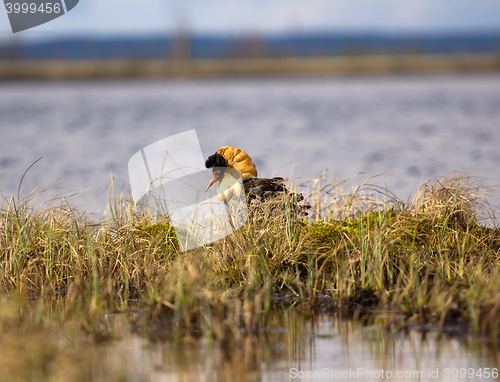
column 239, row 160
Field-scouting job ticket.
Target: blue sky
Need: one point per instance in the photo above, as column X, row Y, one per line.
column 127, row 17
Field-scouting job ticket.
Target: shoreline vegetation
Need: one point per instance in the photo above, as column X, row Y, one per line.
column 430, row 264
column 292, row 66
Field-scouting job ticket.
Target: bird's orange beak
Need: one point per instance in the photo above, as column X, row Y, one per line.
column 214, row 179
column 211, row 182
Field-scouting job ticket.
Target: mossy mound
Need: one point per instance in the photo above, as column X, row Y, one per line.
column 162, row 233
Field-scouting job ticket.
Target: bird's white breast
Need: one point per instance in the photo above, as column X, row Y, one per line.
column 228, row 188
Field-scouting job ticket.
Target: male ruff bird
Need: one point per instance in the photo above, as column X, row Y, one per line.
column 226, row 160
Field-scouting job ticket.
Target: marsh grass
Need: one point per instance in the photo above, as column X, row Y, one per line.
column 430, row 263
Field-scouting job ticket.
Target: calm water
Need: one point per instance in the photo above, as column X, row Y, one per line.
column 335, row 350
column 409, row 128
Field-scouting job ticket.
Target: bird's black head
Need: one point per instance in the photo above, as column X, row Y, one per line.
column 215, row 160
column 217, row 163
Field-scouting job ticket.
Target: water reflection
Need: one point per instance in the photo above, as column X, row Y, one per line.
column 297, row 345
column 349, row 351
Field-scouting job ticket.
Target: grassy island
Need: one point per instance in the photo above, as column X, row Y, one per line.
column 431, row 263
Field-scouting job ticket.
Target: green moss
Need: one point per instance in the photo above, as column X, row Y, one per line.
column 327, row 234
column 163, row 232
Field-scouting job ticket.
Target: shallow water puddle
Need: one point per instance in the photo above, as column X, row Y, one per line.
column 320, row 348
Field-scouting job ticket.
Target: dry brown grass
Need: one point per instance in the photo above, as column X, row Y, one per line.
column 426, row 263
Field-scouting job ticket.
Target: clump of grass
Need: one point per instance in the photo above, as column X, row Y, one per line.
column 430, row 262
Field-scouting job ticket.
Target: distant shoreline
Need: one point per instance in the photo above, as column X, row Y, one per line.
column 335, row 65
